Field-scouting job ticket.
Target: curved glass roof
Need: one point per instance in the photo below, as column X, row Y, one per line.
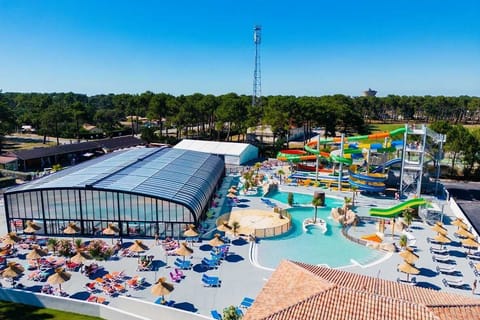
column 181, row 176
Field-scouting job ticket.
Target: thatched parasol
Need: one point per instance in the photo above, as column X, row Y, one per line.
column 439, row 229
column 138, row 246
column 36, row 253
column 216, row 241
column 190, row 232
column 60, row 276
column 32, row 227
column 11, row 238
column 465, row 233
column 232, row 190
column 80, row 257
column 72, row 229
column 460, row 223
column 408, row 256
column 442, row 239
column 224, row 227
column 184, row 250
column 162, row 288
column 111, row 230
column 408, row 269
column 470, row 243
column 231, row 195
column 12, row 271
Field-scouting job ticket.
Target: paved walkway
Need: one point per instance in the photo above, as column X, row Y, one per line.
column 240, row 278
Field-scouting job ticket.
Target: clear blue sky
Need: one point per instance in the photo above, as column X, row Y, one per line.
column 313, row 47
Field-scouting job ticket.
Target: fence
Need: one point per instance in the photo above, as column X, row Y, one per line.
column 278, row 230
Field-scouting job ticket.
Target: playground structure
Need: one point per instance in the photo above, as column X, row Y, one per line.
column 368, row 159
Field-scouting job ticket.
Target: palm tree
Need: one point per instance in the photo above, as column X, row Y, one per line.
column 280, row 173
column 52, row 244
column 354, row 192
column 408, row 216
column 403, row 241
column 257, row 166
column 235, row 227
column 346, row 202
column 316, row 202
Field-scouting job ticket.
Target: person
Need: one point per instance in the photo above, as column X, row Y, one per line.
column 474, row 286
column 397, row 196
column 157, row 239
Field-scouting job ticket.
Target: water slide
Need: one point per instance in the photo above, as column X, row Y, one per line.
column 386, row 165
column 394, row 211
column 369, row 187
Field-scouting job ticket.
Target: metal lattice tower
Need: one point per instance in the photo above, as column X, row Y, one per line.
column 257, row 76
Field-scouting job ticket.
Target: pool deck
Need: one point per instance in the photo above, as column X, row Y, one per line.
column 240, row 278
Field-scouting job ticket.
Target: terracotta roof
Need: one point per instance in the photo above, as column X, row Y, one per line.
column 302, row 291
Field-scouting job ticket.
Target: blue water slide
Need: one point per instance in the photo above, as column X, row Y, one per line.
column 386, row 165
column 364, row 177
column 366, row 187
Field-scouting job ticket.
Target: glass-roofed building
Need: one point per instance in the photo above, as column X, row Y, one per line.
column 144, row 190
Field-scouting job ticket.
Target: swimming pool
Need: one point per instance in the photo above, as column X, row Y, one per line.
column 312, row 246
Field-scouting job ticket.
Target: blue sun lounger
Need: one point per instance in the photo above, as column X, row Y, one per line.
column 246, row 302
column 216, row 315
column 209, row 281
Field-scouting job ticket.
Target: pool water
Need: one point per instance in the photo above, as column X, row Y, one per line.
column 312, row 246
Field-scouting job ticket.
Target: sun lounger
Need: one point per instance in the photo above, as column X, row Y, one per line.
column 454, row 283
column 209, row 263
column 216, row 315
column 183, row 264
column 92, row 298
column 210, row 281
column 179, row 273
column 412, row 281
column 440, row 251
column 449, row 269
column 473, row 257
column 441, row 258
column 246, row 302
column 91, row 287
column 174, row 277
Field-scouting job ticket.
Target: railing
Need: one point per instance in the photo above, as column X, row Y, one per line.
column 275, row 231
column 354, row 239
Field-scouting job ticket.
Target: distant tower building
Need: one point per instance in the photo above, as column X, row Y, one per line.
column 369, row 93
column 257, row 76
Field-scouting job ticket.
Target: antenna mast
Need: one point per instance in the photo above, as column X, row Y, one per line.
column 257, row 76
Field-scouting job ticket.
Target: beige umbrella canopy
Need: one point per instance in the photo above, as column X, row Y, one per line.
column 13, row 270
column 80, row 257
column 11, row 238
column 60, row 276
column 190, row 232
column 216, row 241
column 477, row 266
column 225, row 227
column 408, row 256
column 162, row 288
column 36, row 253
column 470, row 243
column 232, row 190
column 442, row 238
column 184, row 250
column 111, row 230
column 408, row 269
column 464, row 233
column 138, row 246
column 231, row 195
column 71, row 229
column 460, row 223
column 32, row 227
column 439, row 229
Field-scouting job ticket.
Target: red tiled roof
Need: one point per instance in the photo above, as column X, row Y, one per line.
column 303, row 291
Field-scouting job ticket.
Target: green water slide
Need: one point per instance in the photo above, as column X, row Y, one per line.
column 394, row 211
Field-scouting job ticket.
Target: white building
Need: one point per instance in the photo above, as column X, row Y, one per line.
column 231, row 152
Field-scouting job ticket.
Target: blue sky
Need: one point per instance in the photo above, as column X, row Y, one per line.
column 180, row 47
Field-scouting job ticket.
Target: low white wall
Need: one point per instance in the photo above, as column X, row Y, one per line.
column 67, row 304
column 154, row 311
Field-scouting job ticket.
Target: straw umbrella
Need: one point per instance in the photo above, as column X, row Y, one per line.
column 138, row 246
column 460, row 223
column 11, row 238
column 439, row 229
column 36, row 254
column 224, row 227
column 162, row 288
column 111, row 230
column 216, row 241
column 408, row 256
column 184, row 250
column 60, row 276
column 32, row 227
column 71, row 229
column 12, row 271
column 232, row 190
column 470, row 243
column 464, row 233
column 231, row 195
column 408, row 268
column 190, row 232
column 80, row 257
column 442, row 239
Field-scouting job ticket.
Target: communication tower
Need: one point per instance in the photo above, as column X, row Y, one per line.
column 257, row 77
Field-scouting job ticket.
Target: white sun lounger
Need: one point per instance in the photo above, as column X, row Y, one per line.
column 454, row 283
column 447, row 269
column 441, row 258
column 440, row 251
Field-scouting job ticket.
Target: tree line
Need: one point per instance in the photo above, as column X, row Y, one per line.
column 222, row 117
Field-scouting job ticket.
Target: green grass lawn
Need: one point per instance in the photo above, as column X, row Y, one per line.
column 16, row 311
column 382, row 127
